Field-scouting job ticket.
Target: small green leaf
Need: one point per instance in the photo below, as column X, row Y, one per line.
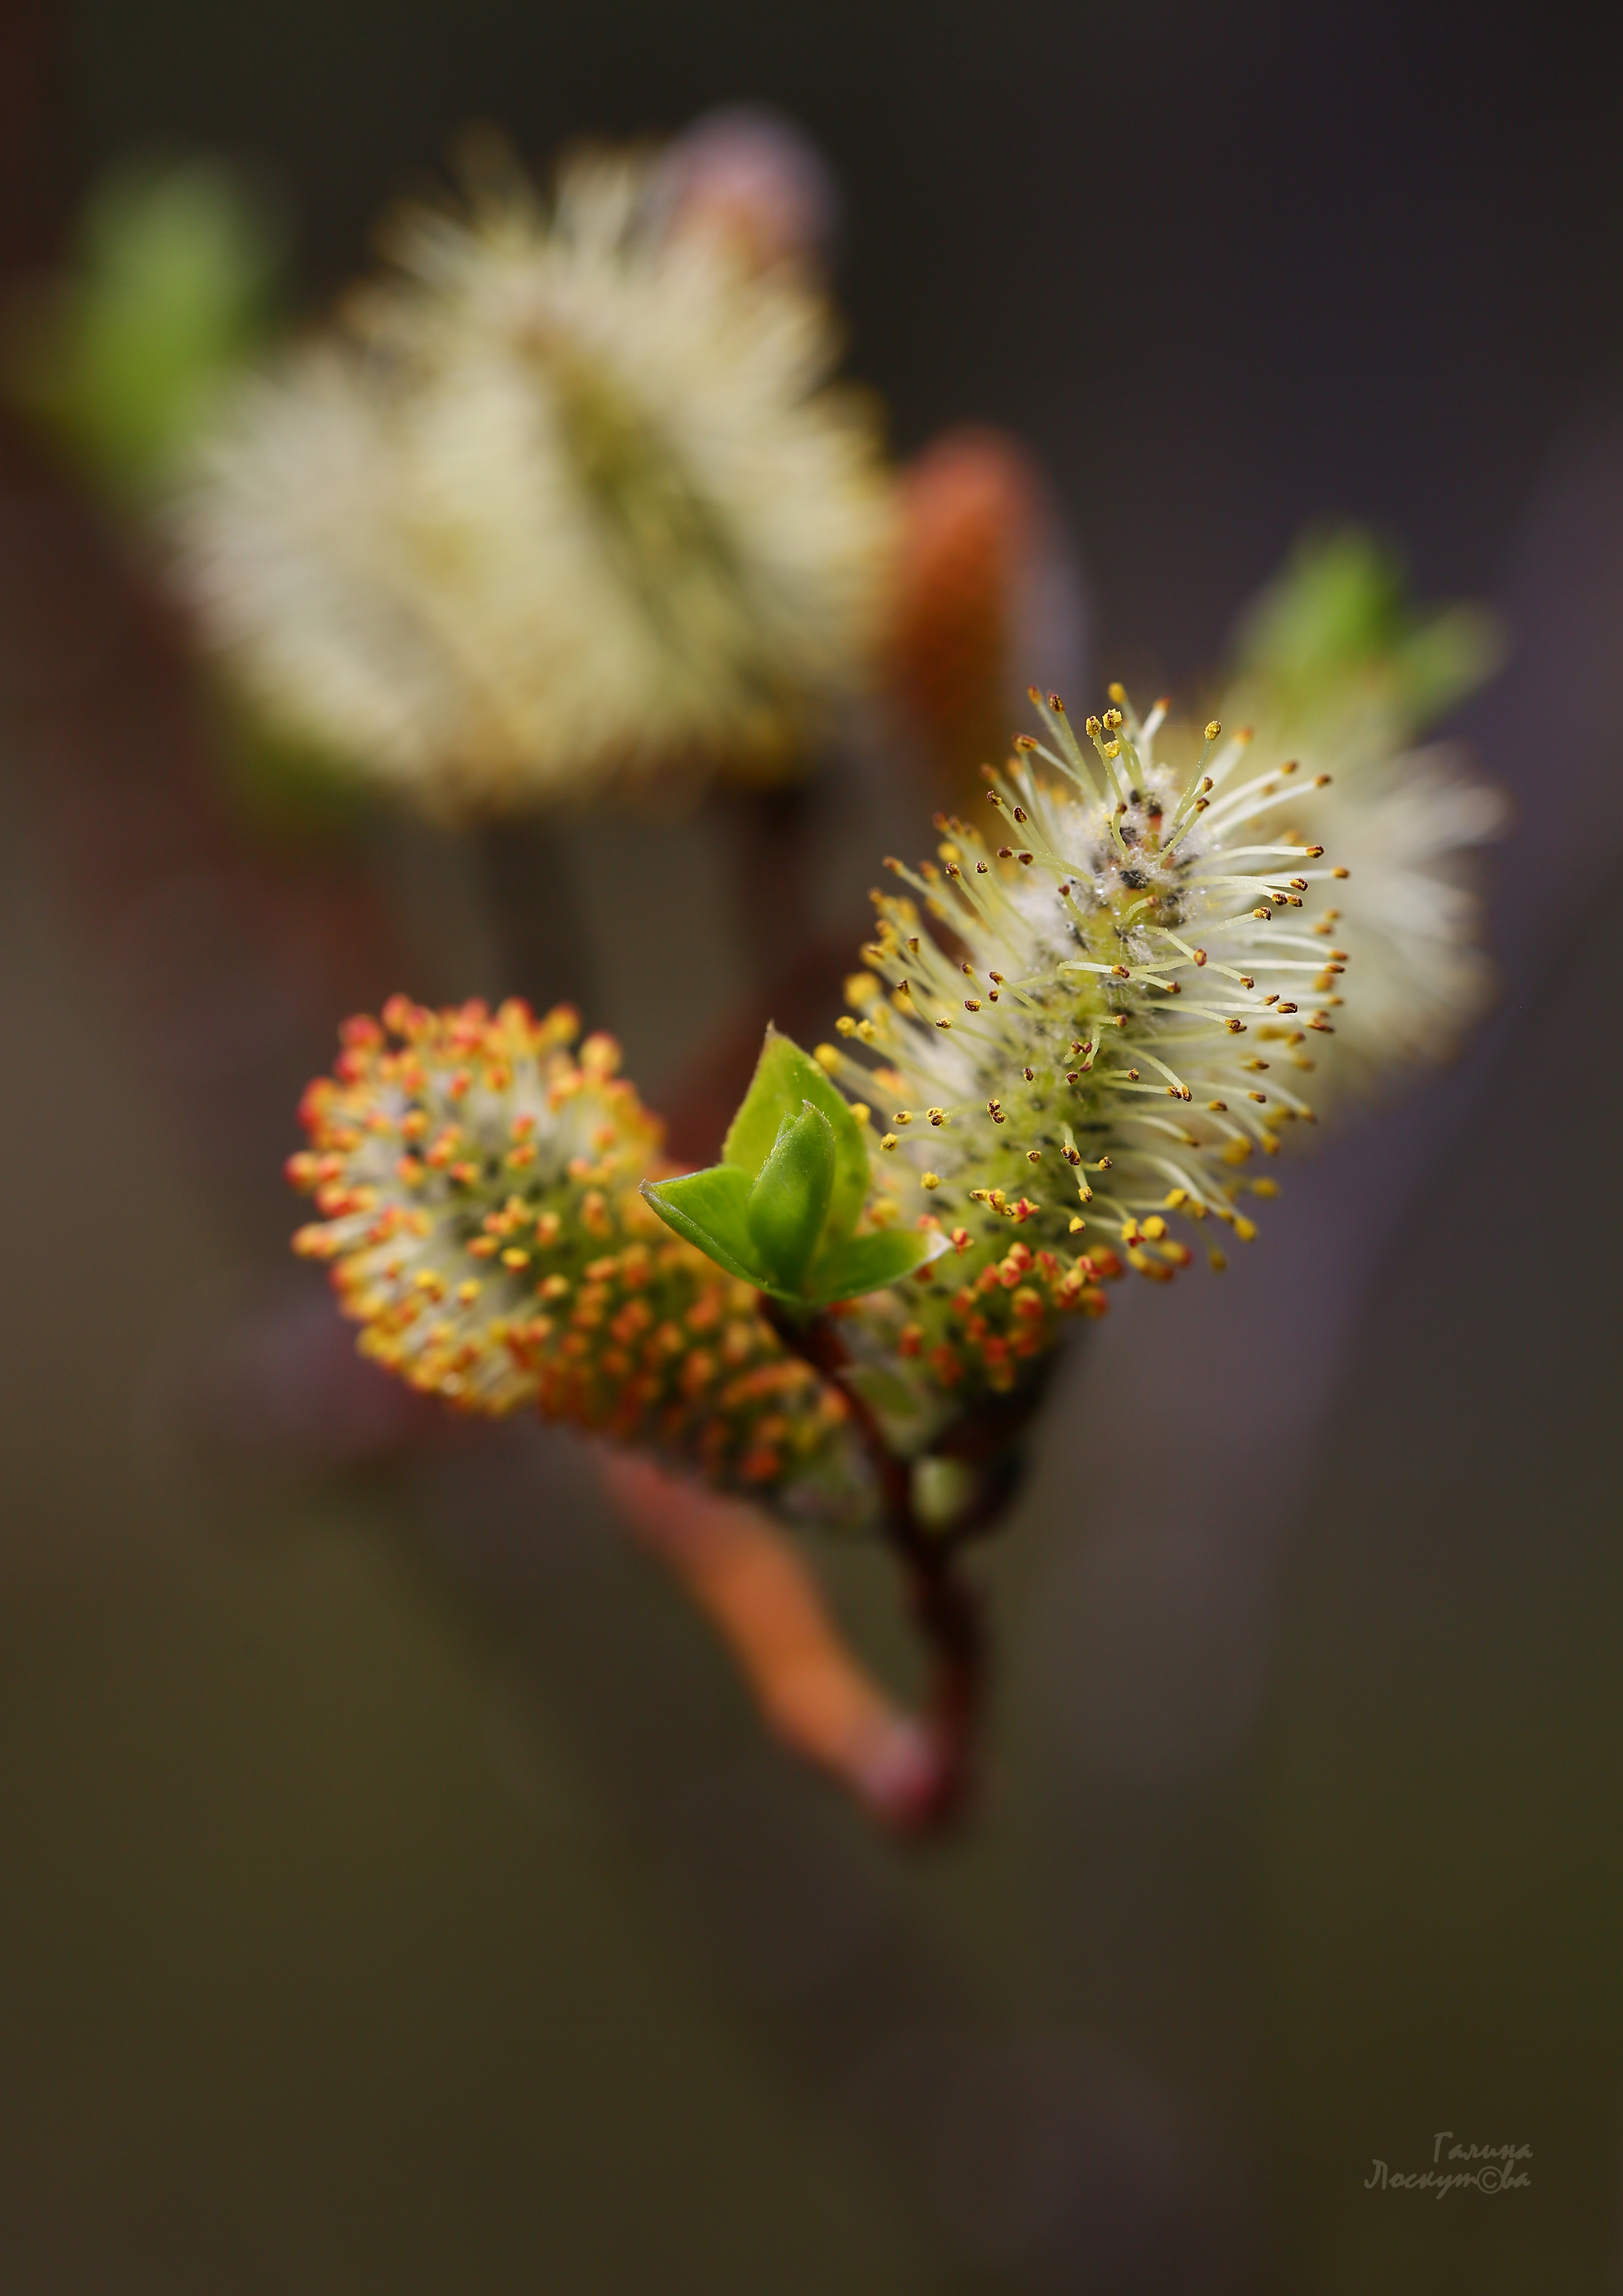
column 710, row 1209
column 779, row 1213
column 789, row 1201
column 867, row 1263
column 785, row 1078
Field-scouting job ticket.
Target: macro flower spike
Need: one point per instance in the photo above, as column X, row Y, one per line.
column 1096, row 1018
column 1085, row 1023
column 476, row 1176
column 566, row 500
column 1337, row 668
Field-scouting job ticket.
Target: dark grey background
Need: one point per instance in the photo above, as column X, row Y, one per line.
column 1227, row 268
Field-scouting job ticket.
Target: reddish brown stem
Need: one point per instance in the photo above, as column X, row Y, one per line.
column 752, row 1584
column 946, row 1611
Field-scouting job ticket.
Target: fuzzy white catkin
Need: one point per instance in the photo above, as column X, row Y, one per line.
column 566, row 502
column 1408, row 821
column 1082, row 1045
column 1338, row 671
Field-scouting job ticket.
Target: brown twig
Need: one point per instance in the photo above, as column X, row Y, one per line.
column 946, row 1611
column 752, row 1584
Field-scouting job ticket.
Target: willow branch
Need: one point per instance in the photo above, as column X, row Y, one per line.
column 754, row 1586
column 946, row 1611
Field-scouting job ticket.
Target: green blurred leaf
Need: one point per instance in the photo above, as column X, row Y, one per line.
column 789, row 1201
column 1448, row 659
column 941, row 1491
column 1338, row 620
column 1338, row 602
column 171, row 290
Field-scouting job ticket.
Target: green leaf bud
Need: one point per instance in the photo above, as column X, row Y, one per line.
column 790, row 1201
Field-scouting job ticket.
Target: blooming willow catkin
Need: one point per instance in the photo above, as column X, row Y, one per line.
column 1336, row 668
column 1078, row 1064
column 477, row 1183
column 1408, row 821
column 568, row 499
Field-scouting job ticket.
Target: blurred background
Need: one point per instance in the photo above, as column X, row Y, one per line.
column 399, row 1892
